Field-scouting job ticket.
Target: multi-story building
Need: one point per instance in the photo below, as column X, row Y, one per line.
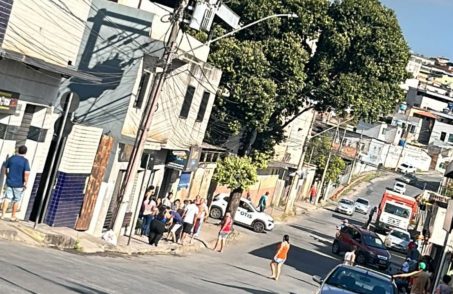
column 111, row 50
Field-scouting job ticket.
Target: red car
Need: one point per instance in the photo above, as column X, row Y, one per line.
column 370, row 248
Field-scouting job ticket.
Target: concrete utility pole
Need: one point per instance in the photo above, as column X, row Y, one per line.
column 324, row 173
column 292, row 189
column 355, row 158
column 147, row 117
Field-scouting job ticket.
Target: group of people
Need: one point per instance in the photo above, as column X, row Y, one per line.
column 161, row 215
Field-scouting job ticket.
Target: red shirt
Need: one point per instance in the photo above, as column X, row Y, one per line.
column 313, row 191
column 226, row 228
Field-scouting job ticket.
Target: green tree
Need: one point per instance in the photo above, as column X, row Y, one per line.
column 237, row 173
column 319, row 149
column 273, row 75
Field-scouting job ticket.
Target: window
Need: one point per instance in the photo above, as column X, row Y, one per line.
column 412, row 129
column 442, row 136
column 450, row 138
column 187, row 102
column 37, row 134
column 203, row 106
column 144, row 81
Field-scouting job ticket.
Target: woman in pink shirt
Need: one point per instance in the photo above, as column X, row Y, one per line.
column 149, row 206
column 225, row 230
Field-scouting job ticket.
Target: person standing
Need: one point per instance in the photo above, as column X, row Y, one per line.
column 17, row 171
column 313, row 192
column 444, row 287
column 262, row 202
column 189, row 216
column 349, row 257
column 370, row 218
column 248, row 196
column 421, row 283
column 176, row 221
column 149, row 205
column 280, row 257
column 201, row 217
column 225, row 230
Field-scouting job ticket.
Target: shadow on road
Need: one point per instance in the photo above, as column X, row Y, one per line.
column 307, row 261
column 243, row 288
column 350, row 220
column 247, row 270
column 72, row 285
column 313, row 232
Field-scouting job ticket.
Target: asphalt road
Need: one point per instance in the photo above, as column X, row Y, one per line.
column 242, row 268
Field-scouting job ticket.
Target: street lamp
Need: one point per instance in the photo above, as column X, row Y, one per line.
column 288, row 15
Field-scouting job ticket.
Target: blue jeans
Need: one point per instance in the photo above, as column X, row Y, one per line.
column 147, row 219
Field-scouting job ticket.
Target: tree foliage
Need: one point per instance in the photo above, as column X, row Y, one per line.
column 236, row 172
column 319, row 149
column 272, row 74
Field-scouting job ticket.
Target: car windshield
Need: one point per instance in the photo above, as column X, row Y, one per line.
column 401, row 235
column 397, row 210
column 405, row 165
column 373, row 241
column 399, row 185
column 346, row 201
column 359, row 282
column 362, row 201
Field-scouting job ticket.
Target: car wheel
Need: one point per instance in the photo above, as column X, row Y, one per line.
column 258, row 226
column 336, row 248
column 360, row 259
column 215, row 213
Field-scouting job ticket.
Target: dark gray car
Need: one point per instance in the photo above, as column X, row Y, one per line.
column 345, row 279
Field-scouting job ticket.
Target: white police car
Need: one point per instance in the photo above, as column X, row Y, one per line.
column 246, row 214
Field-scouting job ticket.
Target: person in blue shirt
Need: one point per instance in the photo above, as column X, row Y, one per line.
column 17, row 171
column 262, row 202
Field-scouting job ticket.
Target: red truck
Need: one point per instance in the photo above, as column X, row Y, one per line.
column 396, row 211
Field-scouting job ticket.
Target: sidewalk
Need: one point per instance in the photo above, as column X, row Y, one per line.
column 81, row 242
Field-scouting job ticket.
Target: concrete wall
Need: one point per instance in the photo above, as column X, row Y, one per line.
column 440, row 127
column 115, row 39
column 418, row 157
column 290, row 150
column 46, row 29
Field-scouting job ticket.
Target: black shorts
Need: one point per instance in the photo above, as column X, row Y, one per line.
column 187, row 228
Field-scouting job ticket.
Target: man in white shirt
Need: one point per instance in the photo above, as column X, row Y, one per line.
column 349, row 257
column 188, row 217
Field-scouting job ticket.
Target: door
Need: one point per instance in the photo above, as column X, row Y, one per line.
column 244, row 213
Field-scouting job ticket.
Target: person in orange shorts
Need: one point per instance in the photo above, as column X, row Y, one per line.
column 280, row 258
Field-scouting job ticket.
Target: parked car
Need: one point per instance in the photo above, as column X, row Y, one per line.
column 362, row 205
column 406, row 168
column 355, row 279
column 398, row 240
column 399, row 187
column 346, row 206
column 246, row 213
column 370, row 248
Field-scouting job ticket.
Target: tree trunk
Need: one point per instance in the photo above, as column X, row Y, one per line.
column 233, row 203
column 247, row 142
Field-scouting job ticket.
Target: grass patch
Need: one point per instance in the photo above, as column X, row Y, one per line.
column 367, row 178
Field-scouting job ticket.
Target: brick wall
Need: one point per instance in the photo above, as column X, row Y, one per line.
column 66, row 200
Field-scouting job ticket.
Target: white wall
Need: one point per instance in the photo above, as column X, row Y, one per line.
column 415, row 156
column 46, row 29
column 438, row 128
column 160, row 28
column 431, row 103
column 295, row 132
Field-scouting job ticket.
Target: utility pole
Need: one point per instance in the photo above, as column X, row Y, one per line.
column 292, row 189
column 355, row 158
column 147, row 117
column 326, row 167
column 406, row 129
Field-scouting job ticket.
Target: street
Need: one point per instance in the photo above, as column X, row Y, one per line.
column 242, row 268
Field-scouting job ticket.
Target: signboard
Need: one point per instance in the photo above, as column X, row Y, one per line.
column 8, row 101
column 194, row 159
column 177, row 159
column 184, row 181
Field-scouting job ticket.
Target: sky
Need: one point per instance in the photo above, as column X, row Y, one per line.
column 427, row 25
